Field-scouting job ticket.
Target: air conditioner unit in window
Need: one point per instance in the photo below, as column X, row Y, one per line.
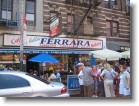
column 30, row 23
column 115, row 7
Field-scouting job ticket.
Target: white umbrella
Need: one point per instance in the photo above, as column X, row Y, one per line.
column 106, row 54
column 125, row 54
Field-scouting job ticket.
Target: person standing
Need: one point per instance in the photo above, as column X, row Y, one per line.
column 95, row 84
column 124, row 87
column 88, row 80
column 80, row 67
column 6, row 68
column 101, row 81
column 108, row 75
column 75, row 64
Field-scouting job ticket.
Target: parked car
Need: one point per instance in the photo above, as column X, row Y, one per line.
column 22, row 84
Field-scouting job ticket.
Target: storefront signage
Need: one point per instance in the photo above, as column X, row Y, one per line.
column 55, row 28
column 73, row 85
column 38, row 41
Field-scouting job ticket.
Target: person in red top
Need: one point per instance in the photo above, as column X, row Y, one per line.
column 95, row 84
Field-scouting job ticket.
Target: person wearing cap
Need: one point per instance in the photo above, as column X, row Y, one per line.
column 124, row 86
column 80, row 67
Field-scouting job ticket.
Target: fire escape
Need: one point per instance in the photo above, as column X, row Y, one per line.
column 91, row 4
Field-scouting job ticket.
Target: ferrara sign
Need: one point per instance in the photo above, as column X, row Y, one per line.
column 38, row 41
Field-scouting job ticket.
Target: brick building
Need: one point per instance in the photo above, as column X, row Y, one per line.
column 99, row 23
column 107, row 18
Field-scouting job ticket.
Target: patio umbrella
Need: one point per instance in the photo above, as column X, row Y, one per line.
column 106, row 54
column 44, row 58
column 125, row 54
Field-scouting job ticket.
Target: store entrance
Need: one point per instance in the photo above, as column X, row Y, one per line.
column 71, row 61
column 32, row 65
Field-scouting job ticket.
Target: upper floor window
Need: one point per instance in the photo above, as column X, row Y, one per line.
column 6, row 9
column 128, row 6
column 70, row 23
column 110, row 3
column 112, row 28
column 30, row 11
column 89, row 20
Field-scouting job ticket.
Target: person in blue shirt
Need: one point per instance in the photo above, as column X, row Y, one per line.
column 75, row 65
column 6, row 68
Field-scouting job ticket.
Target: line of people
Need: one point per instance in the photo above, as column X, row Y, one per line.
column 103, row 80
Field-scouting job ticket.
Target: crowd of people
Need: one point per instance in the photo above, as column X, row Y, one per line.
column 49, row 75
column 103, row 80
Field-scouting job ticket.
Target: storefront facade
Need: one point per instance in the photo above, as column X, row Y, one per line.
column 64, row 49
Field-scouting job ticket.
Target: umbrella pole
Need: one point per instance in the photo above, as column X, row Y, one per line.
column 106, row 60
column 40, row 70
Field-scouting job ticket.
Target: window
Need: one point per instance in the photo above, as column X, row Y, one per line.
column 89, row 20
column 115, row 28
column 6, row 9
column 128, row 6
column 30, row 10
column 12, row 81
column 70, row 23
column 110, row 3
column 108, row 27
column 112, row 28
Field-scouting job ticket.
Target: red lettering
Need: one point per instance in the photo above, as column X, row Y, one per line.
column 96, row 44
column 15, row 41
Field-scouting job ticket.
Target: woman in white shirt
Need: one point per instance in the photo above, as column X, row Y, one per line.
column 80, row 77
column 124, row 86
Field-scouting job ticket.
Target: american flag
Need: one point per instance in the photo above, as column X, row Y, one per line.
column 24, row 30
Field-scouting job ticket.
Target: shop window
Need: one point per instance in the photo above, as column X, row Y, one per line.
column 12, row 81
column 6, row 9
column 112, row 28
column 30, row 11
column 70, row 23
column 110, row 3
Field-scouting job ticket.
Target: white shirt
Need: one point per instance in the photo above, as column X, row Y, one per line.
column 52, row 76
column 80, row 77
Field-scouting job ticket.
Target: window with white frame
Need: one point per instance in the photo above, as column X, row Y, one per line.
column 30, row 10
column 6, row 9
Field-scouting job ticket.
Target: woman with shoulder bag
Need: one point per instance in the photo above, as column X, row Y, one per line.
column 108, row 76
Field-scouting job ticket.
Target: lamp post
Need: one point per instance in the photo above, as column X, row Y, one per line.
column 22, row 11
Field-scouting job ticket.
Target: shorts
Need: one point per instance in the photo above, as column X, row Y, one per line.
column 123, row 90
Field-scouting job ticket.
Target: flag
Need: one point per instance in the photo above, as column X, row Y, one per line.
column 92, row 60
column 24, row 30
